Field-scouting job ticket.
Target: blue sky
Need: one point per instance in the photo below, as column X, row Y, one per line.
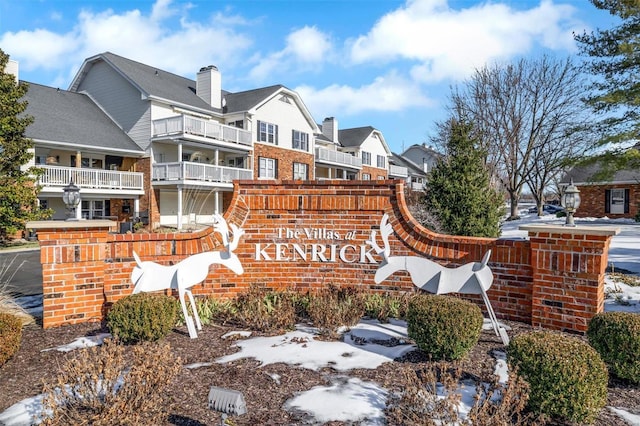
column 384, row 63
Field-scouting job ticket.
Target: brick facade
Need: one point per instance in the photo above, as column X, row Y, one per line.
column 285, row 158
column 592, row 202
column 306, row 235
column 374, row 172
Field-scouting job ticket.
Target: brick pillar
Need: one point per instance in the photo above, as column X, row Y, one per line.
column 73, row 263
column 569, row 265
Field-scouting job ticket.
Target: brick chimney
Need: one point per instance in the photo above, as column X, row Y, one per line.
column 330, row 128
column 209, row 85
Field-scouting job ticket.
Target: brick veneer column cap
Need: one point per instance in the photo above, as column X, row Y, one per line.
column 574, row 230
column 71, row 224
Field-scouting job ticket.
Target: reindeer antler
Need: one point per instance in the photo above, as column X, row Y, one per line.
column 385, row 231
column 237, row 234
column 221, row 227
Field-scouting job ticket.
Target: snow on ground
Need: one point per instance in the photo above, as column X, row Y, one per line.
column 371, row 343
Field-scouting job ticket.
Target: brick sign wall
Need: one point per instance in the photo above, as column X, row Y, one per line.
column 307, row 235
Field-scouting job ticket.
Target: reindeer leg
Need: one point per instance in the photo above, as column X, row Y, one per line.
column 187, row 318
column 194, row 309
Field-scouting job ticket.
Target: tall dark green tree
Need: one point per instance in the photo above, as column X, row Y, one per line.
column 459, row 191
column 18, row 189
column 613, row 58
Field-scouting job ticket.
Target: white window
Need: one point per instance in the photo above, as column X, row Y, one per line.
column 267, row 132
column 366, row 158
column 268, row 168
column 382, row 161
column 300, row 140
column 92, row 209
column 300, row 171
column 617, row 201
column 366, row 176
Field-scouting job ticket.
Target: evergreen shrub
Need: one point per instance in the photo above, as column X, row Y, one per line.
column 616, row 337
column 567, row 377
column 10, row 335
column 142, row 317
column 444, row 327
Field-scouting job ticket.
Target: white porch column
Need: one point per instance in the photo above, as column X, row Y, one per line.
column 216, row 157
column 179, row 207
column 216, row 197
column 136, row 206
column 79, row 210
column 179, row 151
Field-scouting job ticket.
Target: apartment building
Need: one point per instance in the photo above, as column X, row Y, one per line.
column 143, row 142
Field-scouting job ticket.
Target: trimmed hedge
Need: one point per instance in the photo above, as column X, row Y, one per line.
column 616, row 337
column 444, row 327
column 10, row 336
column 142, row 317
column 567, row 378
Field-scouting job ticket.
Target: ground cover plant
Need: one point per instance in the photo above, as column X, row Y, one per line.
column 415, row 383
column 106, row 386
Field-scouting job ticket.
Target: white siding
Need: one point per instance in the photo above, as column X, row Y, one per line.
column 374, row 145
column 287, row 116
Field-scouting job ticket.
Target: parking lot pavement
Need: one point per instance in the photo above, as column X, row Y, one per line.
column 21, row 271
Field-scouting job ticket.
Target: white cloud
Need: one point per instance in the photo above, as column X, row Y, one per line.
column 450, row 43
column 305, row 48
column 156, row 38
column 389, row 93
column 39, row 48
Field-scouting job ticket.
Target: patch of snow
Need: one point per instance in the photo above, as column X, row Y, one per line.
column 81, row 342
column 632, row 419
column 23, row 413
column 198, row 365
column 349, row 399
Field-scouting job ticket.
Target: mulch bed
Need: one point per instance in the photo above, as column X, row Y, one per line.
column 23, row 375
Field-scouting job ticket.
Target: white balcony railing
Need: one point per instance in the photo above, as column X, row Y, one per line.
column 336, row 157
column 185, row 125
column 59, row 176
column 398, row 171
column 185, row 170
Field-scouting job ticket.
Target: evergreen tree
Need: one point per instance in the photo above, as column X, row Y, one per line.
column 18, row 189
column 459, row 190
column 614, row 61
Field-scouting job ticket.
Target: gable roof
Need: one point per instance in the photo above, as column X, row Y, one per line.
column 414, row 169
column 150, row 81
column 356, row 136
column 70, row 118
column 249, row 99
column 583, row 175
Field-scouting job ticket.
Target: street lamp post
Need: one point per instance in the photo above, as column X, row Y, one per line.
column 71, row 198
column 571, row 202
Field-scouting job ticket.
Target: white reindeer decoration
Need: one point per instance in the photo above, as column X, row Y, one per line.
column 471, row 278
column 151, row 276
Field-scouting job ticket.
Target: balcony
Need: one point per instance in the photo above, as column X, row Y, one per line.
column 59, row 176
column 185, row 170
column 184, row 125
column 398, row 171
column 329, row 156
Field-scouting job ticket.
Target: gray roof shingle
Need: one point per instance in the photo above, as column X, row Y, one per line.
column 244, row 101
column 157, row 82
column 69, row 117
column 354, row 137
